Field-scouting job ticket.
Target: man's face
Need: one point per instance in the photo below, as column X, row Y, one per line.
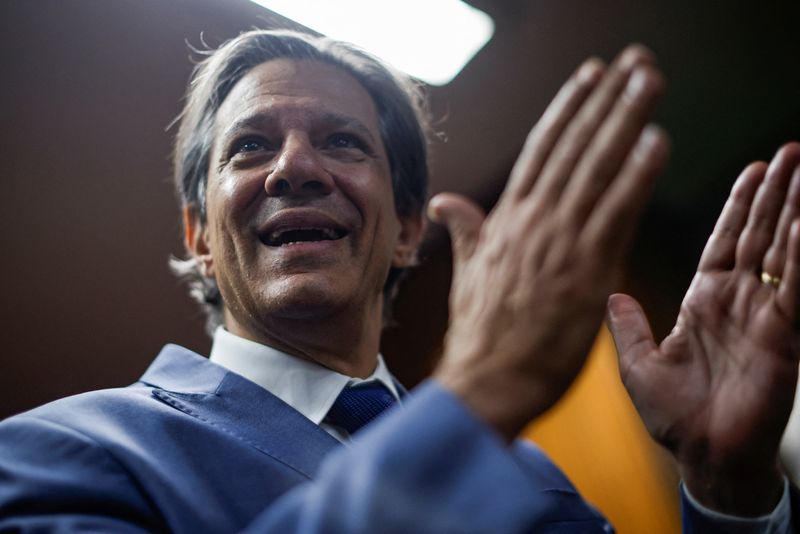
column 301, row 221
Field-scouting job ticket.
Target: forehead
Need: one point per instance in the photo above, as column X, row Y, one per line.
column 298, row 90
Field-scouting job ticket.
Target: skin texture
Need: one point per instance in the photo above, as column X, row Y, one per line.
column 718, row 391
column 297, row 143
column 531, row 280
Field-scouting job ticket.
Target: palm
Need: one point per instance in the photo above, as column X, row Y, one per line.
column 731, row 344
column 718, row 390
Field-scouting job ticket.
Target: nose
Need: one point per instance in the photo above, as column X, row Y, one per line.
column 298, row 171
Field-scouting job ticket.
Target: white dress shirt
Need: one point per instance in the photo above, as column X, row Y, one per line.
column 308, row 387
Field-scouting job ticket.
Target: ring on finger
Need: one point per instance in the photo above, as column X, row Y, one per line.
column 769, row 279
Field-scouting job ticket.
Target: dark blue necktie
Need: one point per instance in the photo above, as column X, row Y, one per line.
column 358, row 405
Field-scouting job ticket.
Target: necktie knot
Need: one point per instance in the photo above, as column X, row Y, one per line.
column 358, row 405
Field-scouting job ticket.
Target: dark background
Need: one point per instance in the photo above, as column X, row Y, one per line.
column 88, row 217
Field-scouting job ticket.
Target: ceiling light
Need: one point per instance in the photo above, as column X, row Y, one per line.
column 431, row 40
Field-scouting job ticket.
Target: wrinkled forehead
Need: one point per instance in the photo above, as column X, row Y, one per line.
column 297, row 90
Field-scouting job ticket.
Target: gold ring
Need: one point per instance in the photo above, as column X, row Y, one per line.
column 768, row 279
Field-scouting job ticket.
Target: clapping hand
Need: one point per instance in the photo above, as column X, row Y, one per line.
column 531, row 279
column 718, row 391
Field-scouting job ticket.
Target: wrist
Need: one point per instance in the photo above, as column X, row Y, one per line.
column 505, row 401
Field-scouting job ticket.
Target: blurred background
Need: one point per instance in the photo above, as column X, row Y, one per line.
column 88, row 217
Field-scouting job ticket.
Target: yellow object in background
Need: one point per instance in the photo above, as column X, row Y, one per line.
column 596, row 437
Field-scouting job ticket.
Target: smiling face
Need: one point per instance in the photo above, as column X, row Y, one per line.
column 301, row 222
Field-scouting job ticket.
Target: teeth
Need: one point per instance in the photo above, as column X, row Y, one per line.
column 329, row 233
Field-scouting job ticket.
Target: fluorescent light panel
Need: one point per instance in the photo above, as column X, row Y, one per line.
column 429, row 39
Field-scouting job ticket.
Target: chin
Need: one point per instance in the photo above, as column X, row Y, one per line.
column 304, row 297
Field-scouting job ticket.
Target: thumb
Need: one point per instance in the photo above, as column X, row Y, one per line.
column 463, row 219
column 630, row 330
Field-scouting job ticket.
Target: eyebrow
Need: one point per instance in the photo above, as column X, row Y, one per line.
column 329, row 119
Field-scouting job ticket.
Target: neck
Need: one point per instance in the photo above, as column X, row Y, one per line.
column 345, row 343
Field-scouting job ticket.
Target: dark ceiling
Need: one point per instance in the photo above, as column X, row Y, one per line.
column 89, row 218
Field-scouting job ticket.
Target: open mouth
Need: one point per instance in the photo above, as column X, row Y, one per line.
column 290, row 236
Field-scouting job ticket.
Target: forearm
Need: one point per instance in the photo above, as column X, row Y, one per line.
column 432, row 466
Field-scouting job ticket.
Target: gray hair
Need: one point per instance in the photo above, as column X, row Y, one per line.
column 403, row 121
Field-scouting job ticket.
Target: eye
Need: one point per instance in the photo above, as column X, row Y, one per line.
column 246, row 145
column 245, row 151
column 345, row 140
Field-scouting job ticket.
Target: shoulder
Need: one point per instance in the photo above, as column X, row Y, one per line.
column 107, row 415
column 76, row 432
column 51, row 459
column 86, row 433
column 93, row 414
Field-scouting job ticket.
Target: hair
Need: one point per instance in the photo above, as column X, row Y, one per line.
column 403, row 121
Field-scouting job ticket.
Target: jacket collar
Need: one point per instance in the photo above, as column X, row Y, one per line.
column 190, row 383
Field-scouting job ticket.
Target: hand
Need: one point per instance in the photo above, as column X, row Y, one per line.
column 531, row 279
column 718, row 390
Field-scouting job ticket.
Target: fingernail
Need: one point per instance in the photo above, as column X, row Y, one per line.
column 637, row 84
column 590, row 71
column 634, row 55
column 433, row 209
column 647, row 140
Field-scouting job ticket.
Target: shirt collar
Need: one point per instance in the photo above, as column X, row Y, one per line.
column 308, row 387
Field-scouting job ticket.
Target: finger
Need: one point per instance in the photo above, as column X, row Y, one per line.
column 759, row 231
column 787, row 296
column 720, row 250
column 612, row 224
column 776, row 253
column 572, row 144
column 609, row 149
column 463, row 219
column 549, row 128
column 630, row 330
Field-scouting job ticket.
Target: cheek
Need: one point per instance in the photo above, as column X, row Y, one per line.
column 237, row 191
column 368, row 187
column 228, row 200
column 224, row 228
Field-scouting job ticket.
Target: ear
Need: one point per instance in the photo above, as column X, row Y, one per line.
column 195, row 238
column 412, row 228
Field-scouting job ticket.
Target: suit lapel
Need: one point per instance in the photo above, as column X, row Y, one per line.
column 192, row 384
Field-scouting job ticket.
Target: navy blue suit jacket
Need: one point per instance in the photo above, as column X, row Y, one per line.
column 192, row 447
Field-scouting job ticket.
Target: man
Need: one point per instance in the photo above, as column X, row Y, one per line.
column 300, row 163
